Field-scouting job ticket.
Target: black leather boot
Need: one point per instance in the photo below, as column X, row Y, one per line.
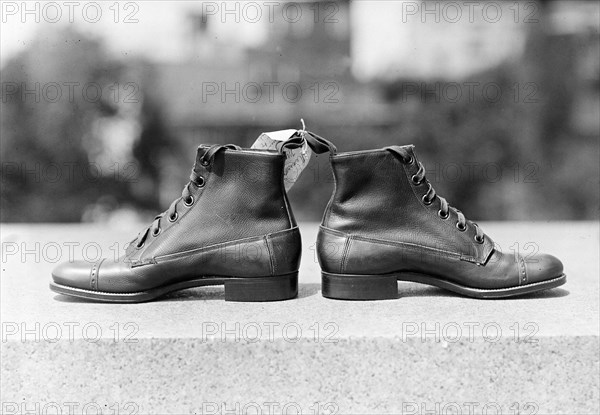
column 385, row 223
column 232, row 226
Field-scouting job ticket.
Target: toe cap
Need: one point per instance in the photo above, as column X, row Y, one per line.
column 73, row 274
column 543, row 267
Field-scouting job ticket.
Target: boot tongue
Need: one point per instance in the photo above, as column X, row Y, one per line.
column 297, row 146
column 411, row 150
column 290, row 143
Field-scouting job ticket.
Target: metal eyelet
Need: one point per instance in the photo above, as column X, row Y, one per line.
column 204, row 162
column 441, row 214
column 200, row 182
column 189, row 201
column 461, row 228
column 410, row 160
column 415, row 180
column 479, row 241
column 174, row 217
column 158, row 231
column 426, row 201
column 140, row 246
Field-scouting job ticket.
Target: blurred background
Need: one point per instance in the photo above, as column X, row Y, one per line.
column 103, row 104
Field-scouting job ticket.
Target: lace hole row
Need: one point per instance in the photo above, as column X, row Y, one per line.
column 189, row 201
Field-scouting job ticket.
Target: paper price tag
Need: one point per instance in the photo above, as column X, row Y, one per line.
column 296, row 158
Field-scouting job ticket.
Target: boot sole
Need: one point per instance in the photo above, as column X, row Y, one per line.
column 385, row 287
column 250, row 289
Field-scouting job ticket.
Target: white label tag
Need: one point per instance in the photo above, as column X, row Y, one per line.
column 295, row 159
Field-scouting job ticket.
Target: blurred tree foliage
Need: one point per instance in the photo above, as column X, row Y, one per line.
column 55, row 96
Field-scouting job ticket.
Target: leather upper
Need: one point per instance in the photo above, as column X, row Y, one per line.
column 378, row 222
column 238, row 224
column 242, row 196
column 375, row 197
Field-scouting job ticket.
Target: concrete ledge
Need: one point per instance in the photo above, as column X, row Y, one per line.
column 428, row 352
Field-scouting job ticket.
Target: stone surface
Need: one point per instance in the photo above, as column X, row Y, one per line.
column 429, row 351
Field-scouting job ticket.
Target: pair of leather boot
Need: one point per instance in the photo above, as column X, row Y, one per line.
column 233, row 226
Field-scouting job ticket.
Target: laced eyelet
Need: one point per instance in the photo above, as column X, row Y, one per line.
column 157, row 232
column 204, row 162
column 441, row 214
column 426, row 201
column 174, row 217
column 479, row 240
column 410, row 160
column 460, row 227
column 200, row 182
column 140, row 246
column 189, row 201
column 415, row 180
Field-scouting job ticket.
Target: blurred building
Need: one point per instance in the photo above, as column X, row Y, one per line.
column 434, row 39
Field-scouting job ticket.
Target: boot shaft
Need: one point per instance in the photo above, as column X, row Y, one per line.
column 377, row 197
column 368, row 191
column 239, row 194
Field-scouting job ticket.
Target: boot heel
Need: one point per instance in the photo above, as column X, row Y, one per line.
column 359, row 287
column 282, row 287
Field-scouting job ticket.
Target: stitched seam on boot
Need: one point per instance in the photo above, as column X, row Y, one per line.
column 270, row 251
column 288, row 208
column 94, row 272
column 345, row 254
column 329, row 208
column 406, row 244
column 333, row 231
column 398, row 244
column 522, row 271
column 176, row 255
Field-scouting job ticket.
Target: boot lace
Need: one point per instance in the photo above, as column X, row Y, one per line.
column 429, row 197
column 196, row 180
